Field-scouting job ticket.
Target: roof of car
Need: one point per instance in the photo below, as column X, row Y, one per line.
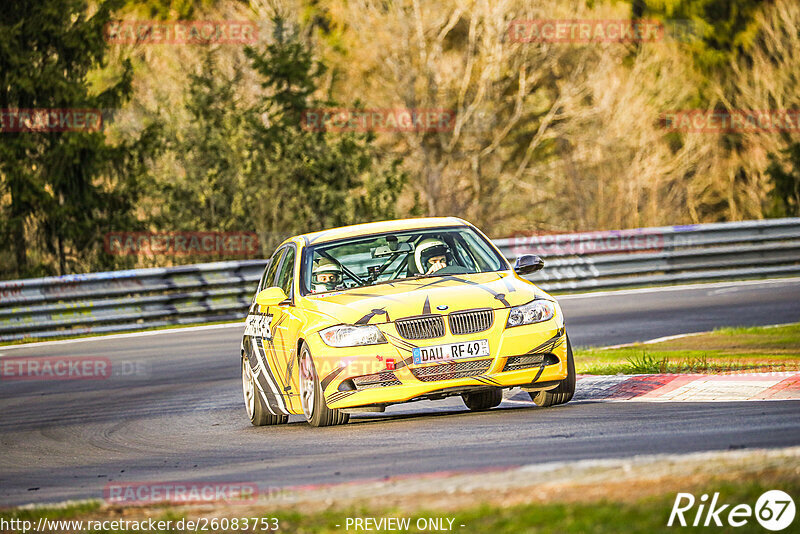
column 357, row 230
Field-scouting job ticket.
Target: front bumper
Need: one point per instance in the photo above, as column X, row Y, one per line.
column 540, row 348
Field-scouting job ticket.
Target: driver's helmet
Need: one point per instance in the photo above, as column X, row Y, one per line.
column 326, row 275
column 429, row 249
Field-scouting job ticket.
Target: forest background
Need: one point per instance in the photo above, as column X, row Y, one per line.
column 545, row 137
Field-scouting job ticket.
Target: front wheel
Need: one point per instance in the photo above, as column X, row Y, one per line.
column 565, row 390
column 314, row 408
column 483, row 400
column 256, row 410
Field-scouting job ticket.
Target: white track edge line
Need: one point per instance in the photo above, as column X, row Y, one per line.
column 679, row 336
column 653, row 289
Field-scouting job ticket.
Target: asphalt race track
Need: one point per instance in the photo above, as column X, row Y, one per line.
column 180, row 416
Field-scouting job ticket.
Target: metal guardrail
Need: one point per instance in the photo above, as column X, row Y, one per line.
column 119, row 301
column 127, row 300
column 663, row 255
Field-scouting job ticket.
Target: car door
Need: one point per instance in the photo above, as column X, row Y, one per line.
column 258, row 342
column 286, row 325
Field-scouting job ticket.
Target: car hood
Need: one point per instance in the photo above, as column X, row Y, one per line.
column 389, row 302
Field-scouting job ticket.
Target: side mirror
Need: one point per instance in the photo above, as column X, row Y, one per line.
column 272, row 296
column 527, row 264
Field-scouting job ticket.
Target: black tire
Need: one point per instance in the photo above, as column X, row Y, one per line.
column 483, row 400
column 315, row 409
column 254, row 406
column 565, row 390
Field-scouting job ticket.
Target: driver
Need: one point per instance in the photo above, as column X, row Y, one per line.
column 431, row 255
column 326, row 275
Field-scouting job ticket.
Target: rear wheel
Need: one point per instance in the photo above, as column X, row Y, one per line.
column 565, row 390
column 483, row 400
column 256, row 410
column 314, row 408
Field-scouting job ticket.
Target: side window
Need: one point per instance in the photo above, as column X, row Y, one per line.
column 269, row 271
column 263, row 277
column 287, row 270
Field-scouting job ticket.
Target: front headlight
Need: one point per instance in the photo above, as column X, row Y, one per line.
column 536, row 311
column 352, row 336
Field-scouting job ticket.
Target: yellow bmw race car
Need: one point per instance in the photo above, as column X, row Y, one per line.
column 355, row 319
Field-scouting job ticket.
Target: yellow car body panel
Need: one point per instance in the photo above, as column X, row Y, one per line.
column 301, row 320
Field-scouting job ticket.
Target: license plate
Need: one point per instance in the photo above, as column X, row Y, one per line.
column 451, row 351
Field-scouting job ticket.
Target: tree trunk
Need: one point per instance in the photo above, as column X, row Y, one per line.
column 17, row 224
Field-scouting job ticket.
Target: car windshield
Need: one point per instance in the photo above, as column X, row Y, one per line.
column 382, row 258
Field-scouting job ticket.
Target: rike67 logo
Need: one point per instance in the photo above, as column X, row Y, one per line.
column 774, row 510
